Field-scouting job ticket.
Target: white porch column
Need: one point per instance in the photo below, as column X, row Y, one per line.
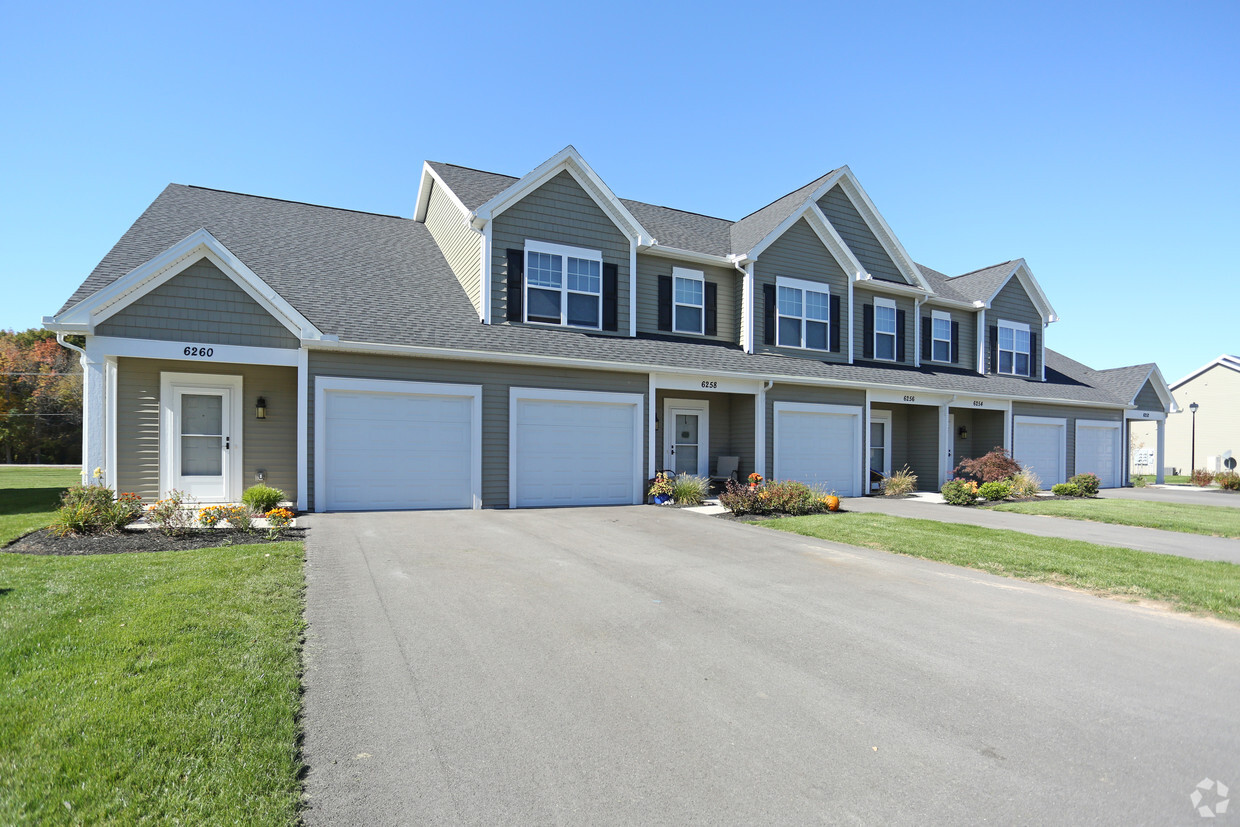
column 94, row 416
column 1161, row 426
column 303, row 428
column 759, row 436
column 945, row 464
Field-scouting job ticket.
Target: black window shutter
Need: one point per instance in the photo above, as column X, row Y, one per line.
column 867, row 331
column 955, row 343
column 1034, row 370
column 611, row 302
column 993, row 364
column 665, row 302
column 899, row 335
column 516, row 279
column 768, row 315
column 710, row 315
column 927, row 345
column 834, row 344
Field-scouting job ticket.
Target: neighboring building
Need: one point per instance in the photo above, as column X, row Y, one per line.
column 1215, row 388
column 538, row 341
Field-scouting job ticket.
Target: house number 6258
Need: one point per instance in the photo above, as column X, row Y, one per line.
column 710, row 385
column 206, row 352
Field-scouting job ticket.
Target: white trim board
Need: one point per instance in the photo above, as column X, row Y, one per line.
column 160, row 349
column 326, row 384
column 168, row 382
column 702, row 408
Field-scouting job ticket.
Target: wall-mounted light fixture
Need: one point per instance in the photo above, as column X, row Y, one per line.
column 963, row 432
column 260, row 408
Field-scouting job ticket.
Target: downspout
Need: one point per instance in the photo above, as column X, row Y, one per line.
column 60, row 340
column 917, row 303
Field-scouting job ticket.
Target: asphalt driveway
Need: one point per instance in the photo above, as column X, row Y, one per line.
column 642, row 665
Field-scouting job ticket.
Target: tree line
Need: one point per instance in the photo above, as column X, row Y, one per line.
column 40, row 399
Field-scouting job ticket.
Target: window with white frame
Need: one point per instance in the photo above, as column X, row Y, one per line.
column 688, row 302
column 941, row 336
column 804, row 309
column 1014, row 348
column 885, row 329
column 563, row 285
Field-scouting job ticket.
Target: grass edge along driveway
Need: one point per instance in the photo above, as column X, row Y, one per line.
column 1210, row 520
column 1186, row 584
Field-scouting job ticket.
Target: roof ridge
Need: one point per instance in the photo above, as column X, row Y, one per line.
column 786, row 194
column 677, row 209
column 475, row 169
column 291, row 201
column 980, row 269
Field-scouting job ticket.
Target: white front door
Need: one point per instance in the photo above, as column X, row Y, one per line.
column 686, row 441
column 201, row 444
column 880, row 447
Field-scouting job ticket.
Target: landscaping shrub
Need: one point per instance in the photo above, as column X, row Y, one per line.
column 738, row 499
column 1228, row 480
column 993, row 491
column 171, row 515
column 1088, row 483
column 1025, row 484
column 89, row 509
column 238, row 516
column 262, row 498
column 212, row 516
column 795, row 498
column 689, row 490
column 901, row 482
column 278, row 519
column 1065, row 489
column 1202, row 477
column 959, row 492
column 993, row 467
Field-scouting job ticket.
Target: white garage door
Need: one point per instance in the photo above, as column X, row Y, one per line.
column 819, row 445
column 1039, row 444
column 395, row 445
column 574, row 448
column 1097, row 450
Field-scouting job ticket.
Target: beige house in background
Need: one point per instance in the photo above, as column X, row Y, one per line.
column 1215, row 388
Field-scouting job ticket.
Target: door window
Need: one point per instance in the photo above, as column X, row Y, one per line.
column 685, row 444
column 202, row 435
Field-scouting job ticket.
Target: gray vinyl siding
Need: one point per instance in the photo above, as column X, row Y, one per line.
column 741, row 438
column 844, row 217
column 1013, row 304
column 558, row 212
column 799, row 253
column 862, row 297
column 200, row 305
column 802, row 393
column 985, row 433
column 1071, row 414
column 649, row 268
column 967, row 322
column 495, row 379
column 270, row 444
column 1147, row 399
column 922, row 453
column 460, row 244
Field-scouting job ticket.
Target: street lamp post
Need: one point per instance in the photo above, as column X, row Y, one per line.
column 1193, row 455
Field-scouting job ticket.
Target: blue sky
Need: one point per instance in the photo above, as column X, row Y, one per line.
column 1097, row 141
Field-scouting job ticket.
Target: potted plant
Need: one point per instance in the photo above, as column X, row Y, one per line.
column 660, row 489
column 755, row 479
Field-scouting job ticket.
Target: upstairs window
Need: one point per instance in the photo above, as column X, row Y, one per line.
column 941, row 332
column 563, row 285
column 804, row 309
column 688, row 290
column 1014, row 348
column 885, row 329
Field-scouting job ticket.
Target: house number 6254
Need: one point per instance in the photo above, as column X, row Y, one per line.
column 206, row 352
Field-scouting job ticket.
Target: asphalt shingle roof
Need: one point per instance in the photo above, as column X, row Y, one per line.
column 381, row 279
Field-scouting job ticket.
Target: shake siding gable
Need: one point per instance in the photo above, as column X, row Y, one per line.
column 1013, row 304
column 799, row 253
column 649, row 268
column 1148, row 400
column 461, row 246
column 840, row 211
column 559, row 212
column 201, row 305
column 496, row 379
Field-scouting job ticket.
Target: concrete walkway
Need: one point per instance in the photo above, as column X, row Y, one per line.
column 1198, row 546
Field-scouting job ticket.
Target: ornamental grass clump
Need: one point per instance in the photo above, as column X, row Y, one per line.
column 900, row 483
column 688, row 489
column 995, row 491
column 1025, row 484
column 959, row 492
column 992, row 467
column 1087, row 483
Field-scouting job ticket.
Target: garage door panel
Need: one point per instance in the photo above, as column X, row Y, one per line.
column 819, row 449
column 573, row 452
column 1097, row 450
column 1040, row 448
column 396, row 450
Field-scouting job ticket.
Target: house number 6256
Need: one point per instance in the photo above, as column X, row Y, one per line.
column 206, row 352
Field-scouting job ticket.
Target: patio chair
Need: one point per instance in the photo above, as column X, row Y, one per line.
column 725, row 469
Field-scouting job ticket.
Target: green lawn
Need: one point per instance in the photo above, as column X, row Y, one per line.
column 146, row 688
column 28, row 496
column 1190, row 585
column 1214, row 520
column 1169, row 479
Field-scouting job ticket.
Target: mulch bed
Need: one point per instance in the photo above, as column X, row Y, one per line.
column 762, row 518
column 130, row 540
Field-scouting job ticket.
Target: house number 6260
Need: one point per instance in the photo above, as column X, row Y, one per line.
column 206, row 352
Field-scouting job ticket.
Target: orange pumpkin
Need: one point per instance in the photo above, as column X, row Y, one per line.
column 833, row 503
